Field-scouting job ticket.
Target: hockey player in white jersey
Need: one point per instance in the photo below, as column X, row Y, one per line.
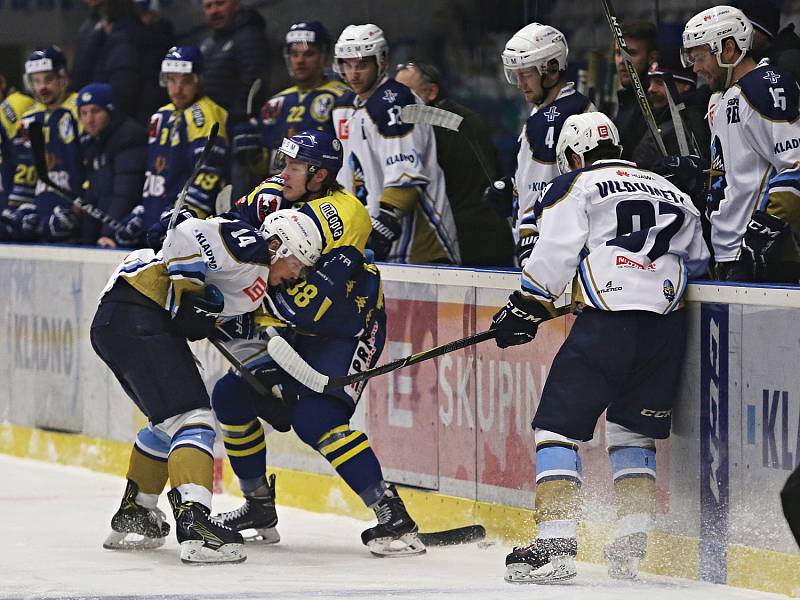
column 755, row 150
column 390, row 165
column 535, row 60
column 627, row 240
column 152, row 304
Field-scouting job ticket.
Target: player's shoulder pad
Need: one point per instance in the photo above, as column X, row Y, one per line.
column 292, row 89
column 201, row 116
column 555, row 191
column 384, row 105
column 335, row 87
column 243, row 241
column 554, row 115
column 338, row 215
column 264, row 199
column 37, row 109
column 13, row 107
column 772, row 92
column 346, row 100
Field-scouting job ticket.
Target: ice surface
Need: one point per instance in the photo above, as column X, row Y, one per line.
column 54, row 519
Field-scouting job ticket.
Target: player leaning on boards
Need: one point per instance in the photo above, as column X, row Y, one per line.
column 628, row 240
column 341, row 303
column 755, row 154
column 151, row 305
column 390, row 165
column 535, row 60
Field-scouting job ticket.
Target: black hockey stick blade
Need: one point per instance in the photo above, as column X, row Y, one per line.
column 201, row 161
column 454, row 537
column 36, row 136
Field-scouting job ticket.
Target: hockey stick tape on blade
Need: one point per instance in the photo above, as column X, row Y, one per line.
column 291, row 362
column 430, row 115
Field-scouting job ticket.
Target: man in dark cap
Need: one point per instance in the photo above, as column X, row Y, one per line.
column 781, row 46
column 696, row 101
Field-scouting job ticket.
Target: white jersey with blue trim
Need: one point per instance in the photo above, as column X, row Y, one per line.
column 755, row 155
column 627, row 238
column 229, row 254
column 536, row 160
column 382, row 152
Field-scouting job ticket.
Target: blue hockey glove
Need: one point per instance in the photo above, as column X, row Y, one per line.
column 499, row 197
column 158, row 231
column 386, row 229
column 131, row 232
column 245, row 137
column 25, row 222
column 517, row 322
column 240, row 327
column 62, row 224
column 525, row 247
column 196, row 317
column 760, row 242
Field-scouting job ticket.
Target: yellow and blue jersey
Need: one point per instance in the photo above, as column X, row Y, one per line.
column 12, row 142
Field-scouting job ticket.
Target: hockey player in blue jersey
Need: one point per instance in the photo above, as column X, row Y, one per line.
column 754, row 116
column 627, row 240
column 340, row 303
column 304, row 106
column 155, row 302
column 14, row 104
column 178, row 132
column 535, row 60
column 31, row 203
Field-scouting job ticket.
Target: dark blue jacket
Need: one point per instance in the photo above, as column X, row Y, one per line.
column 115, row 164
column 119, row 64
column 234, row 58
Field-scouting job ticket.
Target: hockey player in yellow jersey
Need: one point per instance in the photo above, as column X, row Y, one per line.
column 152, row 304
column 340, row 303
column 178, row 132
column 13, row 106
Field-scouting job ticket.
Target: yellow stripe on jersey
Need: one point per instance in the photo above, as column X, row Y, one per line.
column 201, row 116
column 344, row 220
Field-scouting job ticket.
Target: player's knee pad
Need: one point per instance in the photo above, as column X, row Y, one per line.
column 192, row 429
column 631, row 454
column 153, row 443
column 619, row 436
column 340, row 444
column 230, row 400
column 556, row 457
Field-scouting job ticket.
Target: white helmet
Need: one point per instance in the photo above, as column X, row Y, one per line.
column 582, row 133
column 534, row 46
column 712, row 27
column 359, row 41
column 298, row 234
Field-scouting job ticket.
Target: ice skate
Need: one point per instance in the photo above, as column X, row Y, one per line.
column 202, row 539
column 396, row 532
column 544, row 561
column 624, row 555
column 257, row 514
column 134, row 527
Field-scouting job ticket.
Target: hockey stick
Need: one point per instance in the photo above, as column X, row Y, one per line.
column 251, row 96
column 246, row 373
column 453, row 537
column 36, row 137
column 223, row 202
column 438, row 117
column 687, row 144
column 290, row 361
column 641, row 94
column 201, row 161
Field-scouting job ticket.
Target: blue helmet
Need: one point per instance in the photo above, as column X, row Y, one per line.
column 308, row 32
column 319, row 149
column 43, row 60
column 182, row 59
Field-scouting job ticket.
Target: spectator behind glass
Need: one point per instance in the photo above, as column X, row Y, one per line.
column 640, row 38
column 114, row 152
column 119, row 61
column 88, row 43
column 158, row 36
column 781, row 46
column 484, row 238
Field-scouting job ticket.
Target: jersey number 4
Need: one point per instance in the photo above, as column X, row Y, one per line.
column 635, row 219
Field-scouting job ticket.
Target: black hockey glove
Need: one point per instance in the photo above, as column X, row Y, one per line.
column 386, row 229
column 240, row 327
column 499, row 197
column 525, row 247
column 759, row 243
column 158, row 231
column 196, row 318
column 688, row 173
column 277, row 408
column 246, row 138
column 517, row 322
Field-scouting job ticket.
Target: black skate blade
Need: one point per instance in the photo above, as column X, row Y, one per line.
column 454, row 537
